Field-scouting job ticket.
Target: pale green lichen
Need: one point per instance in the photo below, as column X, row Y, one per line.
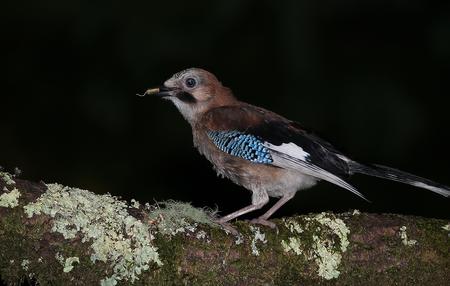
column 294, row 244
column 111, row 281
column 25, row 263
column 239, row 239
column 59, row 258
column 11, row 199
column 174, row 217
column 257, row 236
column 446, row 227
column 323, row 250
column 202, row 235
column 293, row 225
column 7, row 178
column 404, row 237
column 68, row 264
column 337, row 226
column 356, row 212
column 103, row 221
column 135, row 204
column 327, row 259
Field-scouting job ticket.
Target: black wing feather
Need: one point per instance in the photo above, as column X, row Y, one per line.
column 321, row 153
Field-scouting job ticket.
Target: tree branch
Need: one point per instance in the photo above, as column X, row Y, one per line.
column 51, row 234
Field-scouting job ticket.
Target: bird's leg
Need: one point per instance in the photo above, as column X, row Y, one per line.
column 264, row 218
column 224, row 221
column 237, row 213
column 259, row 199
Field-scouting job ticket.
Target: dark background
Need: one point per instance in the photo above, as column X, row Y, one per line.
column 372, row 78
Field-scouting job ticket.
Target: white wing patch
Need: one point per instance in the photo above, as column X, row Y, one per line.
column 289, row 149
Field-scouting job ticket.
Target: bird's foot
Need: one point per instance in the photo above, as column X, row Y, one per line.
column 227, row 227
column 264, row 222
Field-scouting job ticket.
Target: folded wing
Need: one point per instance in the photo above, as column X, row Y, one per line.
column 262, row 137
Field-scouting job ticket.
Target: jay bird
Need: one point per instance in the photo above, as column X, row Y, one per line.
column 262, row 151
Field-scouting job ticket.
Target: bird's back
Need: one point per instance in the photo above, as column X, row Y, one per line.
column 271, row 127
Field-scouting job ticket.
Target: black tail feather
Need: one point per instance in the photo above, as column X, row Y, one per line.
column 399, row 176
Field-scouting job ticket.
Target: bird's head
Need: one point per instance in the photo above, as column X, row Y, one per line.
column 193, row 91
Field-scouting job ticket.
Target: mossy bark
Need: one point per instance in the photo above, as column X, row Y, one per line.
column 376, row 253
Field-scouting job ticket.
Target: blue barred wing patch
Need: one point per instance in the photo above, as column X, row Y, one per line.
column 242, row 145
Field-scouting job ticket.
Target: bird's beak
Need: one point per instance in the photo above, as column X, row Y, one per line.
column 161, row 91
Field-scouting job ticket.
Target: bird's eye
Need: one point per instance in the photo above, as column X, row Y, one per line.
column 190, row 82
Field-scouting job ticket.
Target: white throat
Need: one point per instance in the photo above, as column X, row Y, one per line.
column 188, row 110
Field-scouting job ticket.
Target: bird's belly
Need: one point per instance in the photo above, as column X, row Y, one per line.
column 290, row 181
column 275, row 181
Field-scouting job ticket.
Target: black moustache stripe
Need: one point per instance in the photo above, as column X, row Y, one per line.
column 186, row 97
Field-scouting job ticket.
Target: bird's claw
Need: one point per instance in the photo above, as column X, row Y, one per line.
column 264, row 222
column 227, row 227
